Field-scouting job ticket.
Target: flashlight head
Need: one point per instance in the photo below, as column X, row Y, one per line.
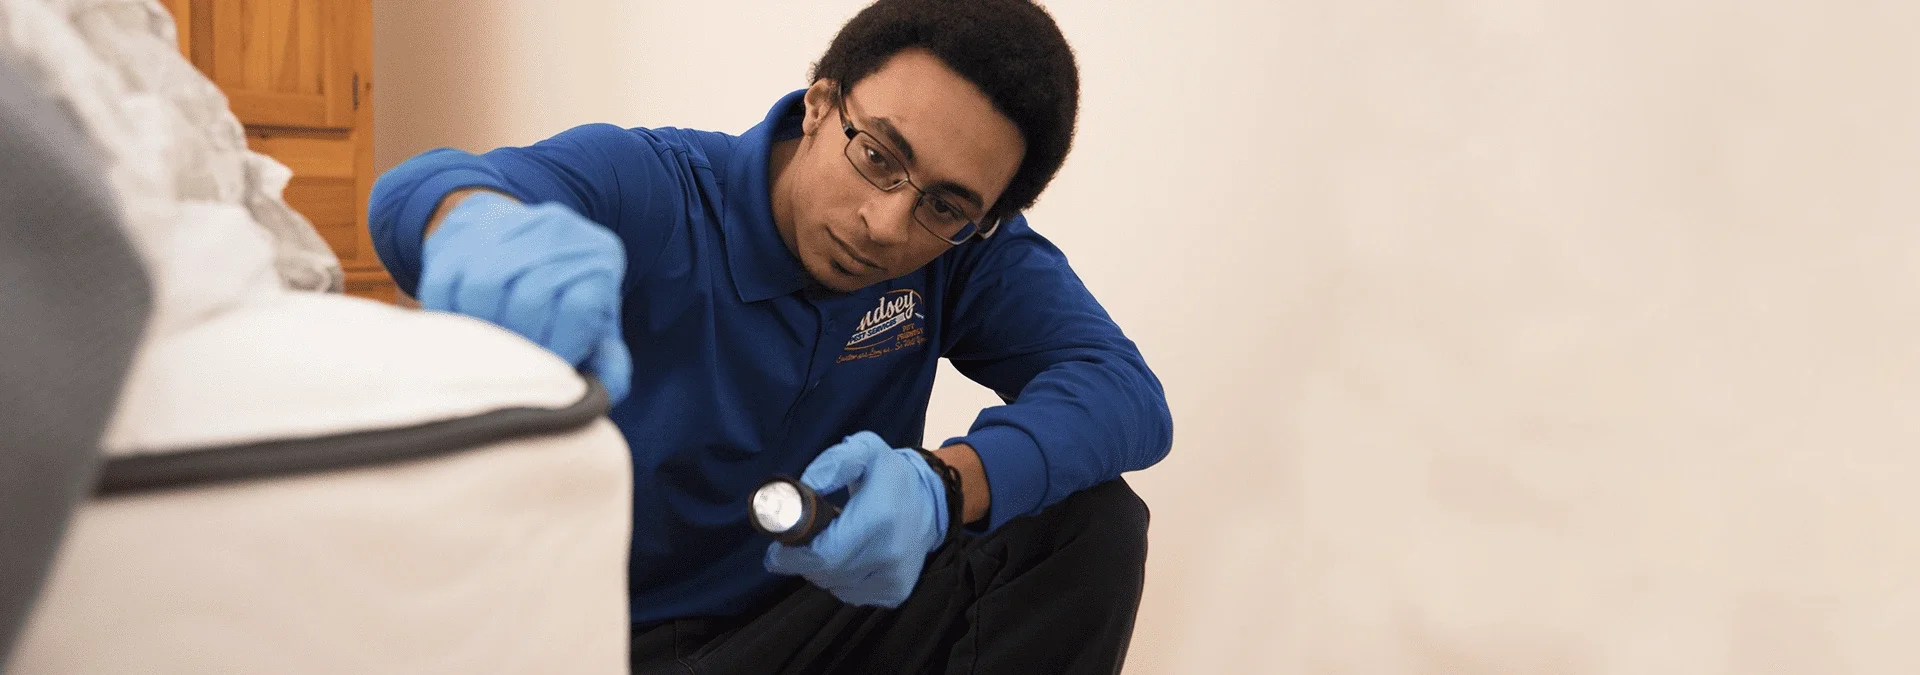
column 789, row 511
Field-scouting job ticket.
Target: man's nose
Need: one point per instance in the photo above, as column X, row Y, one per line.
column 894, row 224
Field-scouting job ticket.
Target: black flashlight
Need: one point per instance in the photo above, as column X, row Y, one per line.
column 789, row 511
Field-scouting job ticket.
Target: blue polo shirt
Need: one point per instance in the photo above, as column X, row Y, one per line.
column 743, row 367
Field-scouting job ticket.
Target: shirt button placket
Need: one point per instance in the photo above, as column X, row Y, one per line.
column 821, row 359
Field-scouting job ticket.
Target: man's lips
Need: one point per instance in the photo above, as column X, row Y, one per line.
column 855, row 255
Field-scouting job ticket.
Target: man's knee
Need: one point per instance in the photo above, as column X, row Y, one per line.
column 1106, row 521
column 1121, row 511
column 1112, row 518
column 1093, row 545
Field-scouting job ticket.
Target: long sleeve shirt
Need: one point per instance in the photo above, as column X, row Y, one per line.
column 744, row 368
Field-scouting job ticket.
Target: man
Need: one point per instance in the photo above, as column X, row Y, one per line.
column 778, row 301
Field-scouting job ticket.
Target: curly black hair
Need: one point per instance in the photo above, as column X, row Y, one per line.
column 1010, row 49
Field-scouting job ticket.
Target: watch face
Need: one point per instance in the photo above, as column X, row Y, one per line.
column 777, row 506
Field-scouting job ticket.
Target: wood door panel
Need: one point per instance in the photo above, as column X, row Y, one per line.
column 284, row 110
column 278, row 48
column 284, row 63
column 308, row 155
column 330, row 205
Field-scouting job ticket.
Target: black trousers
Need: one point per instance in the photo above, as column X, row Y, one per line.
column 1054, row 592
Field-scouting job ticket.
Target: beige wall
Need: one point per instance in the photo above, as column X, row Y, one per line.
column 1502, row 336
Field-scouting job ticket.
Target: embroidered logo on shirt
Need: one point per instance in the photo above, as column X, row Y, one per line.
column 894, row 325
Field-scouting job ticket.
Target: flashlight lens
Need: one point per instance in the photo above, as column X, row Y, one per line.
column 777, row 506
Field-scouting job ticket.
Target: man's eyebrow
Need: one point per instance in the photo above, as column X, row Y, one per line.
column 906, row 150
column 893, row 135
column 958, row 190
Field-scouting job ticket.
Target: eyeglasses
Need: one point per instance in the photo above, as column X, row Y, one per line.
column 885, row 171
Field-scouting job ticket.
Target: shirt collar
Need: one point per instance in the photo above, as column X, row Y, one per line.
column 758, row 260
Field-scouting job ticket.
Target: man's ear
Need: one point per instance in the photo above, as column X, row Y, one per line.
column 820, row 101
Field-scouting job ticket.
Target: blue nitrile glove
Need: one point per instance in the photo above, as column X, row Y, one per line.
column 872, row 553
column 541, row 271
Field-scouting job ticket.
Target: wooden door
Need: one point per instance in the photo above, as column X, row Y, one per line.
column 297, row 73
column 282, row 63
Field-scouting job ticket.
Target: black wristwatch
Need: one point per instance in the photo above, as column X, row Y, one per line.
column 956, row 499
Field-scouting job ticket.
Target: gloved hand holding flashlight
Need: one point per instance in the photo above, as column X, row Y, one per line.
column 872, row 552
